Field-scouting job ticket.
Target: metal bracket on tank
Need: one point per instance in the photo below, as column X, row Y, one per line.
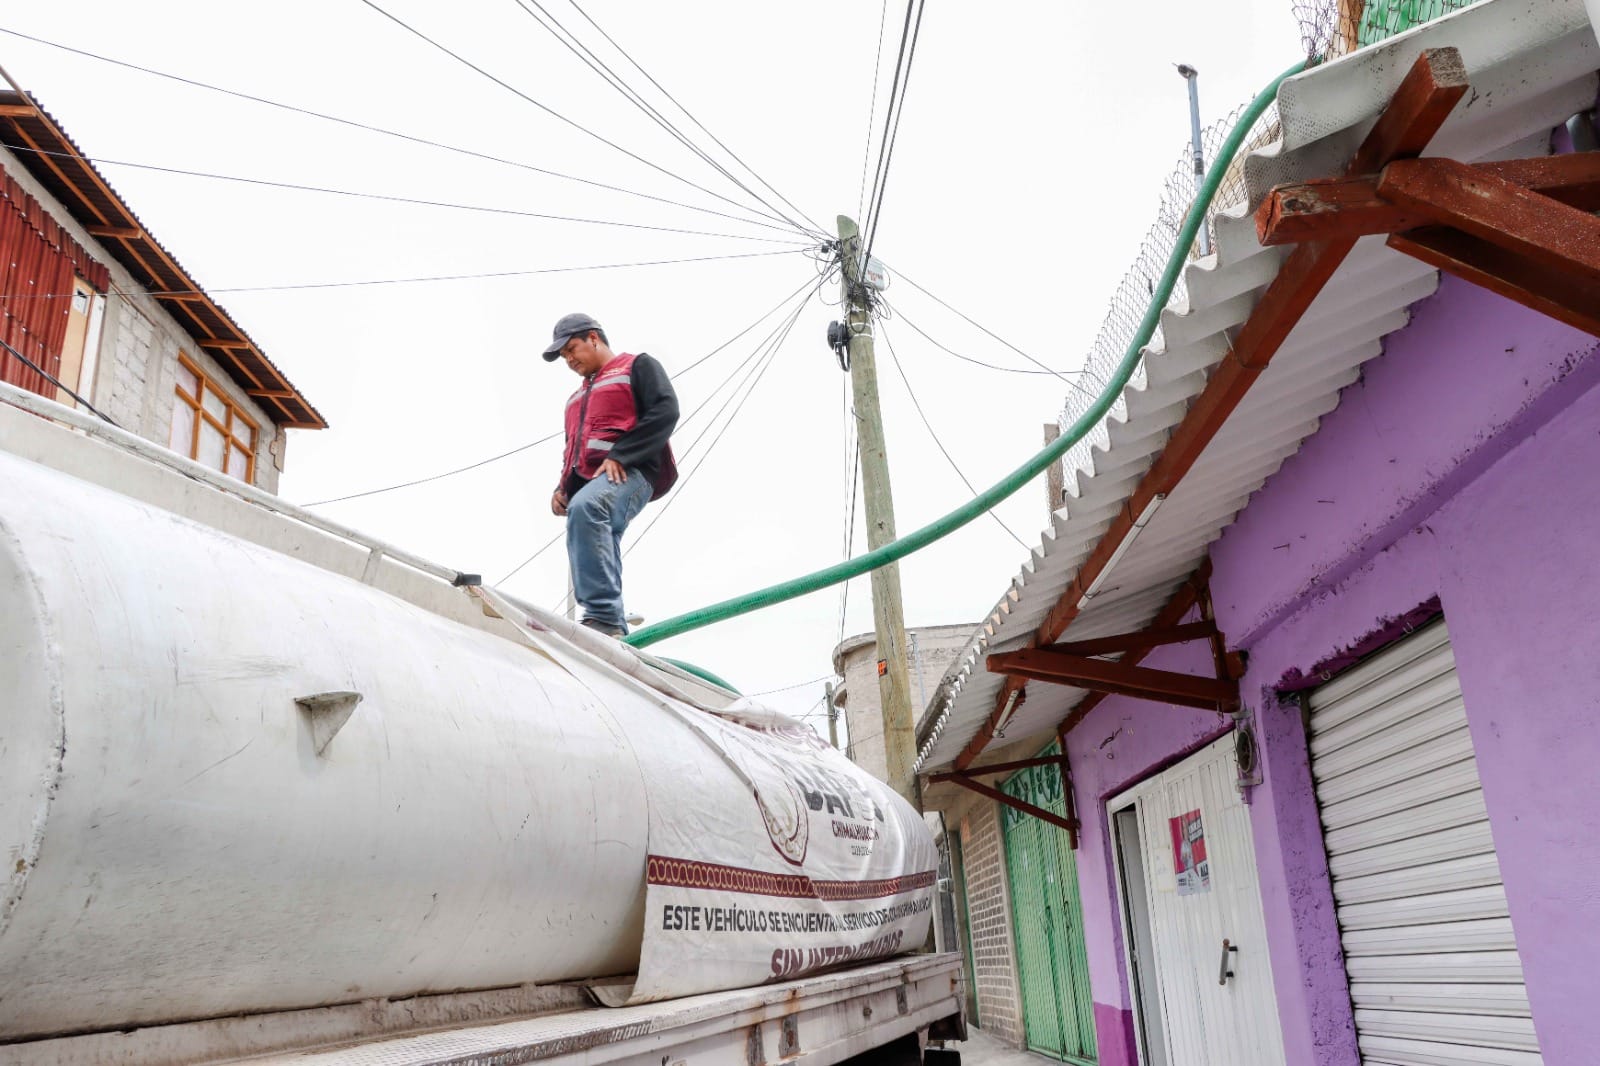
column 327, row 712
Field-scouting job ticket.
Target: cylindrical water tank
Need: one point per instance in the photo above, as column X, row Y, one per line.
column 176, row 847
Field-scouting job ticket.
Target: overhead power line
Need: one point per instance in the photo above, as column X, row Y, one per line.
column 754, row 379
column 541, row 15
column 52, row 379
column 901, row 316
column 397, row 134
column 797, row 684
column 551, row 543
column 387, row 198
column 691, row 116
column 435, row 477
column 551, row 436
column 486, row 276
column 916, row 403
column 985, row 329
column 891, row 122
column 872, row 110
column 549, row 110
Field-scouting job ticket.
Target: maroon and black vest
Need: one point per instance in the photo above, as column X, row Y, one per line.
column 600, row 412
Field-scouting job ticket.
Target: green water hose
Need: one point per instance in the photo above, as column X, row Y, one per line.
column 904, row 546
column 701, row 672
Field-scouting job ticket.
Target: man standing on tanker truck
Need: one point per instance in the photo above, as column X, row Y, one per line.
column 617, row 459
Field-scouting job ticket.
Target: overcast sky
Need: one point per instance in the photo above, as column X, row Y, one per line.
column 1029, row 163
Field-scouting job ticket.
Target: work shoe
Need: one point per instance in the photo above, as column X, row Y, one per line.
column 600, row 627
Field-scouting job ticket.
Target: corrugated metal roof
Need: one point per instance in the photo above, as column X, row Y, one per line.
column 54, row 160
column 1532, row 66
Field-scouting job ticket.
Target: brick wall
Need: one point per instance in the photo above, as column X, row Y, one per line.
column 989, row 920
column 124, row 376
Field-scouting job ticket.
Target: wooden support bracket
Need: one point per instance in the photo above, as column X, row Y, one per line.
column 971, row 784
column 1101, row 675
column 1563, row 295
column 1492, row 209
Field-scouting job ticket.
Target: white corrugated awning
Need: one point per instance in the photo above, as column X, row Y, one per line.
column 1532, row 65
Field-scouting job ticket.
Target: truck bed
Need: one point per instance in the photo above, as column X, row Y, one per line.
column 817, row 1020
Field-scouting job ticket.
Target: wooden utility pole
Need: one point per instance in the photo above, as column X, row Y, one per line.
column 894, row 679
column 1055, row 481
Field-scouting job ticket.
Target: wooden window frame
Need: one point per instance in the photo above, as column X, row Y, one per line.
column 235, row 416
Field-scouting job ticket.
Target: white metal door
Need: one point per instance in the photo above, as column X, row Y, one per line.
column 1200, row 888
column 1433, row 966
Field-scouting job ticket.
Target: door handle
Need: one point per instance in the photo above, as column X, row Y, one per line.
column 1223, row 973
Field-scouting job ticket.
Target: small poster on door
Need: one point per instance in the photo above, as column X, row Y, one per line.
column 1189, row 860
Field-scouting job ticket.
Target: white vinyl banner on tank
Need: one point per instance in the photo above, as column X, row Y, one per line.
column 804, row 862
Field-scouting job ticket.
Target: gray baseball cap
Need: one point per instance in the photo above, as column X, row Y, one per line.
column 568, row 327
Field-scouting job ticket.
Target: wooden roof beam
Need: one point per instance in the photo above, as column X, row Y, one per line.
column 1563, row 295
column 1353, row 207
column 1427, row 95
column 1182, row 602
column 124, row 233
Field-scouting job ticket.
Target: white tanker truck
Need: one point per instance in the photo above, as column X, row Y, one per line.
column 270, row 790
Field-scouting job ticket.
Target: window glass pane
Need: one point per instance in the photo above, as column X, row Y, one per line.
column 238, row 463
column 181, row 439
column 213, row 446
column 214, row 403
column 187, row 381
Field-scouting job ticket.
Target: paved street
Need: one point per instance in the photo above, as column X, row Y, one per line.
column 981, row 1049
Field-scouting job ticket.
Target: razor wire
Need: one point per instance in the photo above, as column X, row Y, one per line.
column 1133, row 293
column 1328, row 28
column 1332, row 28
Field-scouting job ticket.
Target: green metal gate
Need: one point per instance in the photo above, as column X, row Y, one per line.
column 1047, row 920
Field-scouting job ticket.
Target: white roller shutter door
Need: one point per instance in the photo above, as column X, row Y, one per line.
column 1434, row 973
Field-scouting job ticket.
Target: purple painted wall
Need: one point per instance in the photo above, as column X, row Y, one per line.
column 1462, row 466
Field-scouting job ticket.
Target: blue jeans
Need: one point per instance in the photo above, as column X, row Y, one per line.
column 596, row 517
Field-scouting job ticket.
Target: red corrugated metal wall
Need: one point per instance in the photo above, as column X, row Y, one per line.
column 37, row 263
